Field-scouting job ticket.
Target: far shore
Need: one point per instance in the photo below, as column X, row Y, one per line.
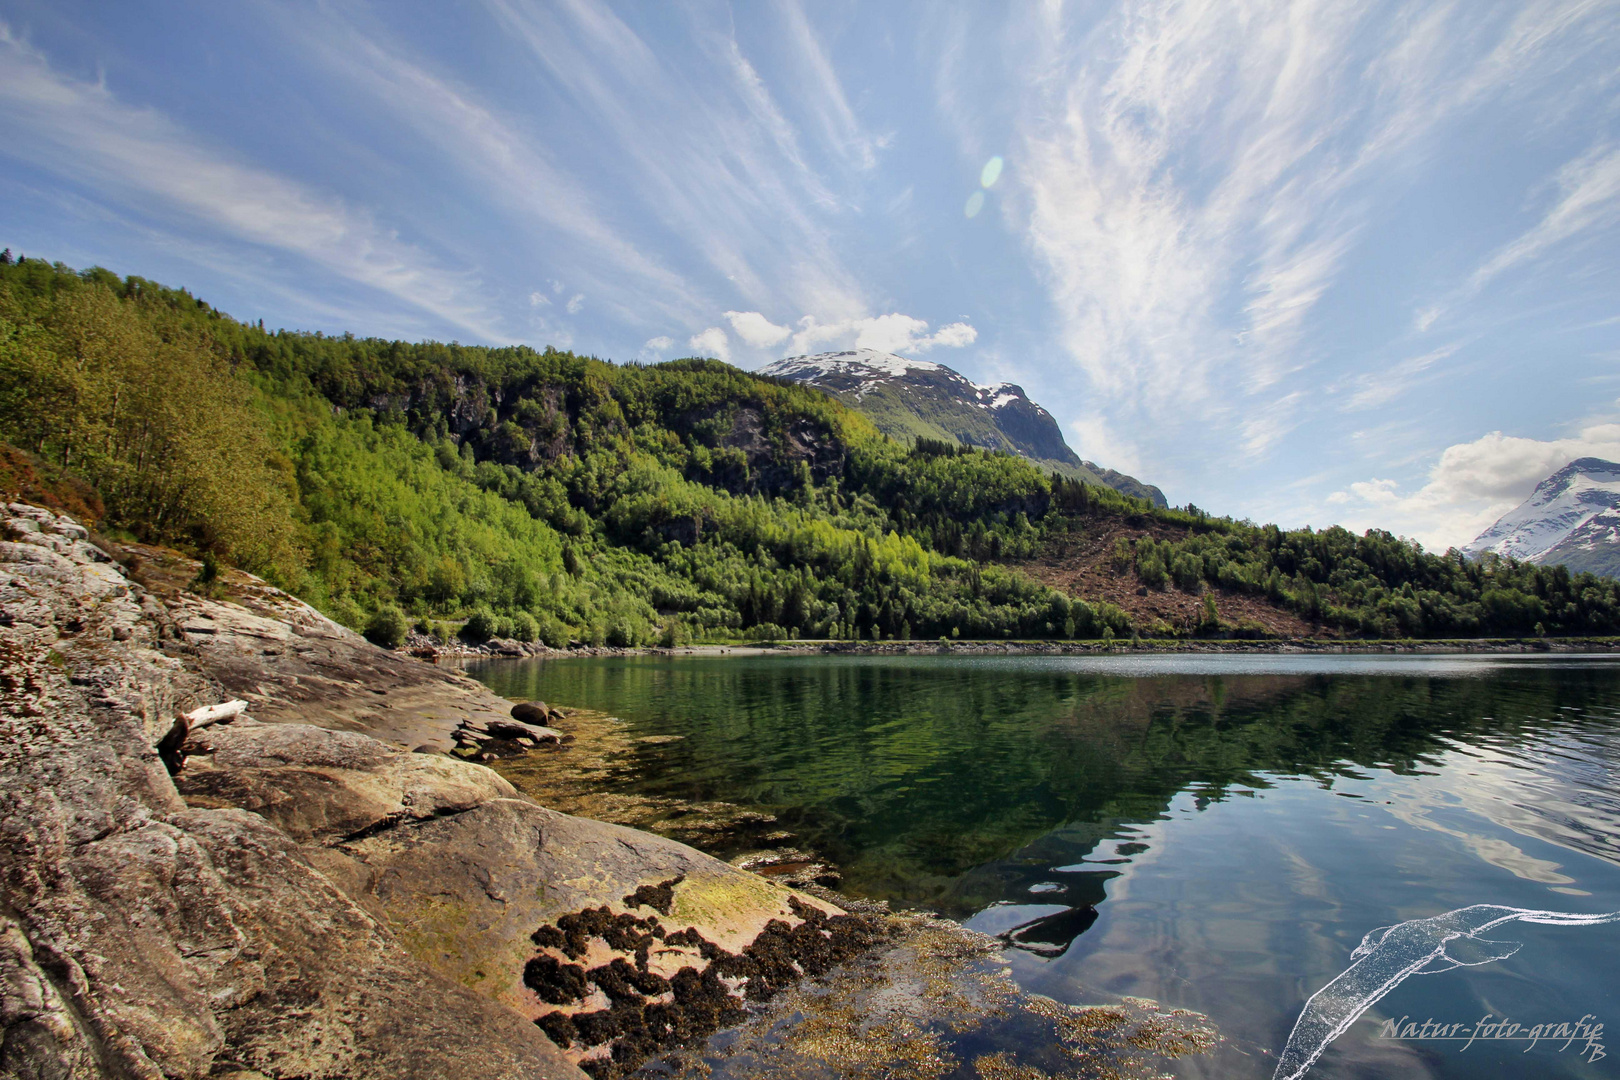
column 503, row 650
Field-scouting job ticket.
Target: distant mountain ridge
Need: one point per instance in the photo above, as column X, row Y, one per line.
column 911, row 399
column 1572, row 519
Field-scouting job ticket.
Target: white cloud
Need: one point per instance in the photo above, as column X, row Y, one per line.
column 711, row 342
column 756, row 329
column 82, row 131
column 539, row 299
column 893, row 332
column 575, row 303
column 1095, row 439
column 956, row 335
column 1471, row 485
column 655, row 348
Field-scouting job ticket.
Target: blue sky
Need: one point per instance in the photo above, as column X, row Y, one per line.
column 1302, row 262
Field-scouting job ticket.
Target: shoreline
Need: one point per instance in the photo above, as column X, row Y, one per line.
column 1406, row 646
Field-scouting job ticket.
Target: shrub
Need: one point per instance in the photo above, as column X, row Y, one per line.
column 344, row 610
column 480, row 627
column 524, row 627
column 386, row 627
column 1152, row 571
column 553, row 633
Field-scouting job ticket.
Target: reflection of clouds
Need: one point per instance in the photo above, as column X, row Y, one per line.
column 1416, row 807
column 1562, row 791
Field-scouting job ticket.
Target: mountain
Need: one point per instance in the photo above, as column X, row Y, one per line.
column 912, row 399
column 1572, row 519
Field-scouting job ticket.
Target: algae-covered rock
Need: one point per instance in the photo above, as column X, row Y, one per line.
column 467, row 893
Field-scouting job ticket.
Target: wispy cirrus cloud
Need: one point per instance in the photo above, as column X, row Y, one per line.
column 1587, row 207
column 1370, row 390
column 507, row 164
column 724, row 173
column 83, row 132
column 1197, row 178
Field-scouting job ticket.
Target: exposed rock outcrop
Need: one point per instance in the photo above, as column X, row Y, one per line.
column 305, row 897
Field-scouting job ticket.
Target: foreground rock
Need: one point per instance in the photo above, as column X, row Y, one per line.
column 292, row 664
column 305, row 897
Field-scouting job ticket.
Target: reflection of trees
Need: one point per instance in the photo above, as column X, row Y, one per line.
column 912, row 774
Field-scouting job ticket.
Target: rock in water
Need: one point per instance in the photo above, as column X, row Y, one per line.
column 532, row 712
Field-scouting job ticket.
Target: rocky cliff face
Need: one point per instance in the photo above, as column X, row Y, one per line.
column 908, row 399
column 304, row 896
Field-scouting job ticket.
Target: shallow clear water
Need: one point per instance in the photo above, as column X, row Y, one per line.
column 1236, row 823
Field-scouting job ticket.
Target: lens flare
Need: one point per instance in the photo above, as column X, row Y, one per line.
column 991, row 172
column 975, row 203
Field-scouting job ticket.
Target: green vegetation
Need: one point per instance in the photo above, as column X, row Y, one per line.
column 1374, row 585
column 553, row 497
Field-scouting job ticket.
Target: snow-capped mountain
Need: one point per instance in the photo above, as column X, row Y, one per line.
column 1572, row 518
column 908, row 399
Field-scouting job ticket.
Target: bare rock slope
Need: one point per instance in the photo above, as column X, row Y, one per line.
column 304, row 896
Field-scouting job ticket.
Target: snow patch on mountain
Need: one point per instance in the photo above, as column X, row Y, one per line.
column 871, row 367
column 867, row 364
column 1576, row 508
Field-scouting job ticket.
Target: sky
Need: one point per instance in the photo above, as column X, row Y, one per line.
column 1310, row 263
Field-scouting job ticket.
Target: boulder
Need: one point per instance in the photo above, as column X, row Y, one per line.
column 320, row 786
column 143, row 938
column 304, row 898
column 532, row 712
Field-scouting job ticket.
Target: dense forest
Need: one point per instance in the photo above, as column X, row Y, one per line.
column 543, row 495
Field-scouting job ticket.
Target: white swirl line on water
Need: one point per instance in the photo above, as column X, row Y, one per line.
column 1387, row 955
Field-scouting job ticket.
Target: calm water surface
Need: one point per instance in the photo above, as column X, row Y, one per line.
column 1214, row 832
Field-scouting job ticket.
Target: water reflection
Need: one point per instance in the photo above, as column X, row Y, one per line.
column 1217, row 833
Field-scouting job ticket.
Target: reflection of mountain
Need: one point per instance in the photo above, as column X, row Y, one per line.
column 955, row 785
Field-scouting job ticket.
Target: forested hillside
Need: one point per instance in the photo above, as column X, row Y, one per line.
column 553, row 495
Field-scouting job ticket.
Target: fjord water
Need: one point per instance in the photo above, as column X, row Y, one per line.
column 1235, row 823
